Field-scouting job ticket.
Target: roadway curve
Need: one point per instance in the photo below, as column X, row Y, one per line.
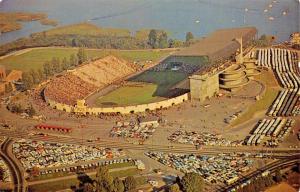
column 15, row 170
column 272, row 167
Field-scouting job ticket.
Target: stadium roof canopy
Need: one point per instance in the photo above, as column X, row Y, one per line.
column 219, row 44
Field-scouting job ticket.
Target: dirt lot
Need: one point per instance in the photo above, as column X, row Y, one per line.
column 281, row 187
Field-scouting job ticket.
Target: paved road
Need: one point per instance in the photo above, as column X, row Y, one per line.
column 15, row 170
column 110, row 143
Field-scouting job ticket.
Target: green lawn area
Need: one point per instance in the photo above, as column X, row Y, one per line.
column 265, row 102
column 34, row 59
column 150, row 86
column 63, row 174
column 87, row 29
column 67, row 184
column 129, row 95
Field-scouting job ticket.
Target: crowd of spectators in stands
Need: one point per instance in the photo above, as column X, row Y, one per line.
column 68, row 89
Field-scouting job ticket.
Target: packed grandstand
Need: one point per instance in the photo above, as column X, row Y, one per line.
column 85, row 80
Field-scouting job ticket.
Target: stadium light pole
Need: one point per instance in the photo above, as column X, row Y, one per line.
column 245, row 12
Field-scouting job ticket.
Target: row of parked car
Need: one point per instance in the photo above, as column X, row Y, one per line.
column 284, row 64
column 87, row 166
column 44, row 155
column 287, row 103
column 204, row 138
column 129, row 130
column 214, row 169
column 5, row 174
column 270, row 129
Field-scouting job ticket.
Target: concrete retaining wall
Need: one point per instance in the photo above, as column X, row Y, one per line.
column 122, row 110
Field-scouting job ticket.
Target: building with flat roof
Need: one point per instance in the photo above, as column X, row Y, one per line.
column 219, row 46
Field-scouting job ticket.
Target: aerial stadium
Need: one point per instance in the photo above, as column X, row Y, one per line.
column 113, row 85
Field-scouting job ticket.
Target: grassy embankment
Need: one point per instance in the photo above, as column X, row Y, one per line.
column 272, row 89
column 35, row 58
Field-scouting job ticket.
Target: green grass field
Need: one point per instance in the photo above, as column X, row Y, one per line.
column 129, row 95
column 35, row 58
column 152, row 87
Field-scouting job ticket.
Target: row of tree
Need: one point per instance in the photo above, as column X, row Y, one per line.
column 156, row 39
column 97, row 42
column 52, row 67
column 18, row 108
column 263, row 41
column 104, row 182
column 190, row 182
column 159, row 39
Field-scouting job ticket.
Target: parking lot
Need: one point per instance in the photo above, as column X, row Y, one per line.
column 44, row 155
column 214, row 169
column 6, row 173
column 203, row 138
column 133, row 130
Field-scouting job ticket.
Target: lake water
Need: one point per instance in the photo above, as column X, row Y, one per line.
column 276, row 17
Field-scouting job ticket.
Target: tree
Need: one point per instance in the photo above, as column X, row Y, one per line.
column 15, row 108
column 81, row 55
column 174, row 188
column 130, row 183
column 88, row 187
column 73, row 61
column 1, row 174
column 65, row 64
column 171, row 43
column 152, row 38
column 163, row 40
column 31, row 111
column 41, row 75
column 189, row 37
column 56, row 68
column 47, row 69
column 8, row 88
column 104, row 182
column 278, row 176
column 35, row 76
column 118, row 185
column 192, row 182
column 27, row 80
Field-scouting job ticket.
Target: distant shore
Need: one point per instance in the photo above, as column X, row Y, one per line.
column 10, row 21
